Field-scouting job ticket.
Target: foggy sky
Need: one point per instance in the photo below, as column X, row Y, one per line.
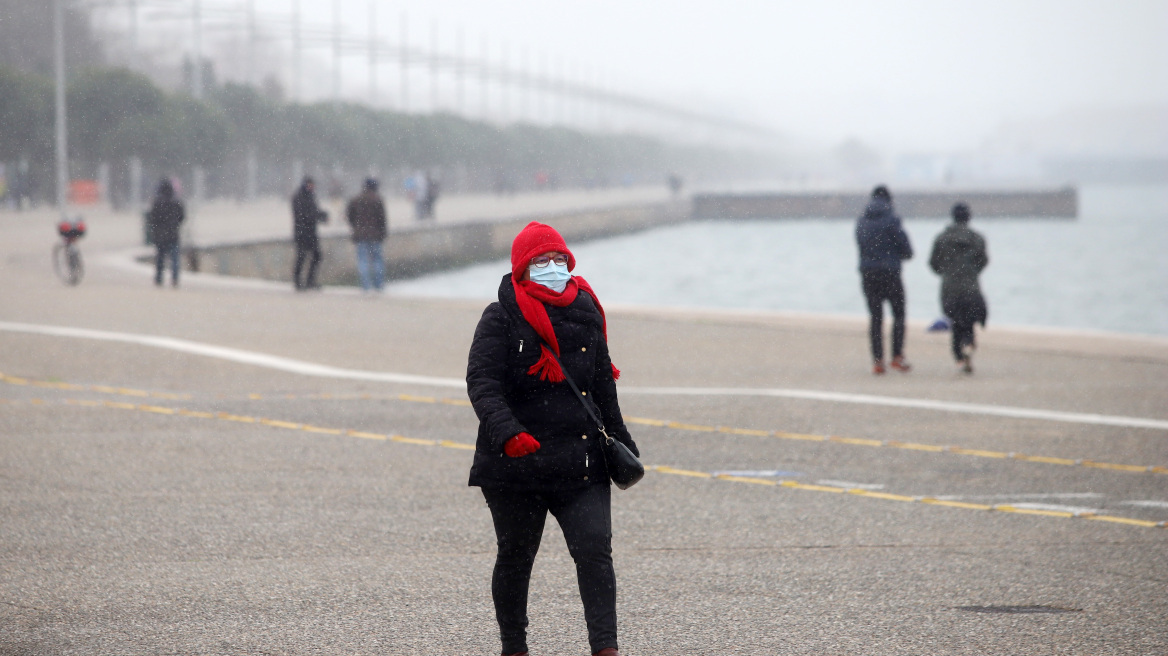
column 901, row 75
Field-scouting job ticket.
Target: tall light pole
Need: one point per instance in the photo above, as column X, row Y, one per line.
column 296, row 50
column 197, row 71
column 434, row 66
column 461, row 69
column 251, row 42
column 373, row 52
column 405, row 62
column 336, row 53
column 133, row 7
column 62, row 137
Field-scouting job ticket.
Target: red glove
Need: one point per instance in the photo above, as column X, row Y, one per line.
column 521, row 445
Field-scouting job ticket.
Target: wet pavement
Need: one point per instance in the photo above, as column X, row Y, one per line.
column 217, row 494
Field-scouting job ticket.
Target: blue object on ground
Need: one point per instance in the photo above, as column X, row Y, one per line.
column 940, row 325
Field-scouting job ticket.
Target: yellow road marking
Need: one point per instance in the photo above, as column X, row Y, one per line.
column 645, row 421
column 663, row 469
column 368, row 436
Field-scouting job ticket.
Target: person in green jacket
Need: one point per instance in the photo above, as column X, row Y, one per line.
column 959, row 256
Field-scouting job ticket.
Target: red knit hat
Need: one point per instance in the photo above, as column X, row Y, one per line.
column 536, row 239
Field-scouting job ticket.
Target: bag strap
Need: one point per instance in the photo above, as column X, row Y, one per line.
column 579, row 394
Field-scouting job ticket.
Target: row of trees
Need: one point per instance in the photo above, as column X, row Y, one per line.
column 116, row 114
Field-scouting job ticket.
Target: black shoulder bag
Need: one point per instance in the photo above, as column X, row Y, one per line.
column 623, row 467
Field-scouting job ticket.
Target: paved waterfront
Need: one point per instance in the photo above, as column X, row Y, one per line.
column 164, row 497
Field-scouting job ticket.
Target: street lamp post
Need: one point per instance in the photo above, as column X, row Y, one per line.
column 62, row 133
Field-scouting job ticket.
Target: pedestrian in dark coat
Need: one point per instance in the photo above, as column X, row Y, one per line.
column 165, row 217
column 366, row 215
column 959, row 256
column 306, row 214
column 883, row 245
column 538, row 451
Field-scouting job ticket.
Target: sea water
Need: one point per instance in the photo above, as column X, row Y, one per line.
column 1106, row 270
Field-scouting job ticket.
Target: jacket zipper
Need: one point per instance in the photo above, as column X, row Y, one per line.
column 520, row 346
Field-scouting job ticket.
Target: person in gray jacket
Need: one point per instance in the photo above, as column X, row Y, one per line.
column 959, row 256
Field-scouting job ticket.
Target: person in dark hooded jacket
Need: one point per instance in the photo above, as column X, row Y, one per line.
column 305, row 215
column 959, row 256
column 165, row 217
column 883, row 244
column 538, row 451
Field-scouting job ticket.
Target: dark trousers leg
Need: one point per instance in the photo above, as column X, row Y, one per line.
column 159, row 262
column 312, row 264
column 874, row 295
column 301, row 254
column 586, row 519
column 173, row 256
column 519, row 520
column 896, row 300
column 962, row 337
column 311, row 254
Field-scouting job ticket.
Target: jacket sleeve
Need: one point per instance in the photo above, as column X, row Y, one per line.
column 604, row 395
column 905, row 246
column 485, row 374
column 935, row 257
column 983, row 258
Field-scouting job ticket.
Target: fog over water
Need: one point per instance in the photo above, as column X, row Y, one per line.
column 1104, row 271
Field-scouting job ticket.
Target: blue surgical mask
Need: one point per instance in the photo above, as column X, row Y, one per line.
column 553, row 276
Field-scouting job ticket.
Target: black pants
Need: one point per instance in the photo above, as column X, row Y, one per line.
column 964, row 310
column 586, row 519
column 884, row 285
column 310, row 252
column 962, row 337
column 166, row 253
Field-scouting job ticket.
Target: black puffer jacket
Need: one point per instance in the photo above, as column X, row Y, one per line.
column 509, row 401
column 305, row 215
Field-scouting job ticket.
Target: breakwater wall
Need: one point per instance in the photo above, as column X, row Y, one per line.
column 1054, row 203
column 417, row 249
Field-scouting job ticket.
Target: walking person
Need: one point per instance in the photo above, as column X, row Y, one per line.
column 959, row 256
column 165, row 218
column 538, row 451
column 366, row 215
column 883, row 245
column 306, row 214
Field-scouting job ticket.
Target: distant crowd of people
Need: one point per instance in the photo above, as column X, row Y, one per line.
column 958, row 256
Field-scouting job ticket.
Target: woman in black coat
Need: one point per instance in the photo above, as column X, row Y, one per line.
column 538, row 451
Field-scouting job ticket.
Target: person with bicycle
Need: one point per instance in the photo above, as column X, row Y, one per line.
column 165, row 217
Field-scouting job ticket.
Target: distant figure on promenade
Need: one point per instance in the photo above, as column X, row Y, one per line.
column 417, row 190
column 305, row 215
column 538, row 450
column 675, row 184
column 165, row 217
column 429, row 196
column 366, row 215
column 883, row 244
column 959, row 256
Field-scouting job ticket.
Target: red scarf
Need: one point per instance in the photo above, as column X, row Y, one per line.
column 531, row 296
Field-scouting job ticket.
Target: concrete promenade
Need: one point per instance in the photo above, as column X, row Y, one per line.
column 237, row 469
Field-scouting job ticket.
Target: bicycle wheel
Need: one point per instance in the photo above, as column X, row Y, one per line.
column 67, row 264
column 76, row 267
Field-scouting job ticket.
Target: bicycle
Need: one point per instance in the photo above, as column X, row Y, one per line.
column 66, row 256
